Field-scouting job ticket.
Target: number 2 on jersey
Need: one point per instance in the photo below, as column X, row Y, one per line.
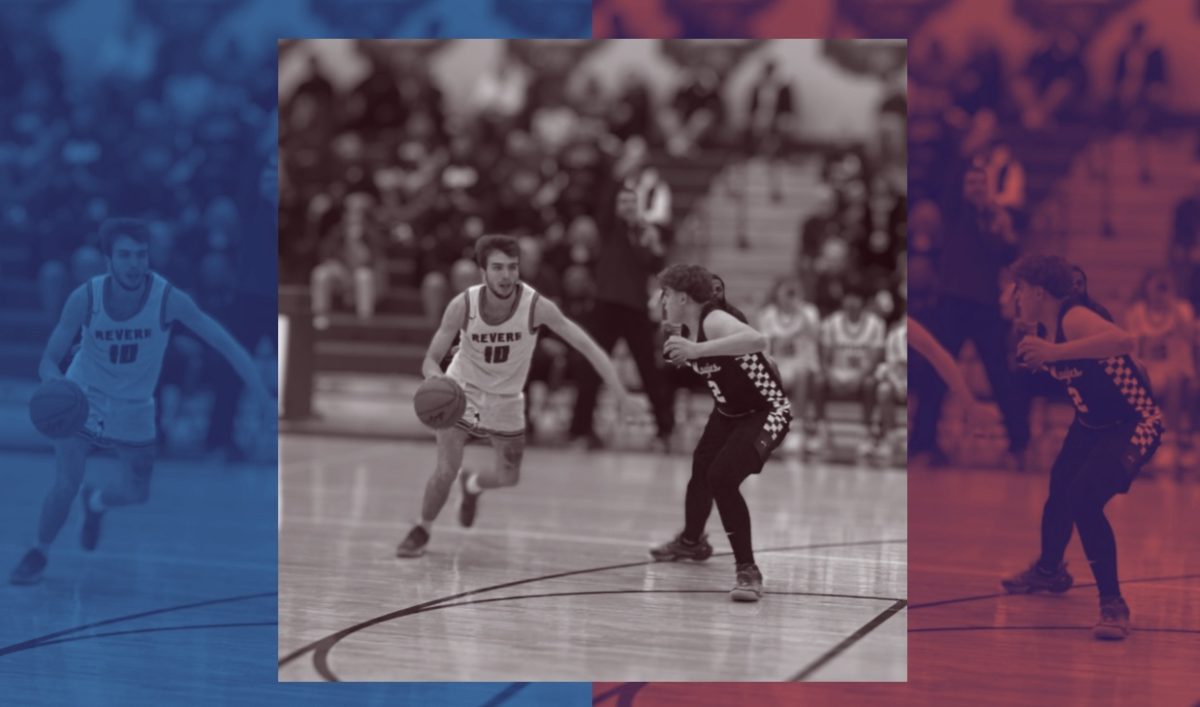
column 123, row 353
column 495, row 354
column 716, row 391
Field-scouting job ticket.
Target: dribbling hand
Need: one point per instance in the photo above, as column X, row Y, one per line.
column 679, row 350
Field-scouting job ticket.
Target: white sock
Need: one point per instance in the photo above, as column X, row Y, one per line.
column 472, row 484
column 96, row 503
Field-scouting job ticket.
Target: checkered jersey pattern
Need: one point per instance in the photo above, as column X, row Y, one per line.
column 758, row 369
column 1125, row 377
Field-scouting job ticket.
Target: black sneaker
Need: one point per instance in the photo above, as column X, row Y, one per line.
column 90, row 536
column 1035, row 580
column 468, row 505
column 679, row 549
column 29, row 569
column 749, row 585
column 414, row 543
column 1114, row 620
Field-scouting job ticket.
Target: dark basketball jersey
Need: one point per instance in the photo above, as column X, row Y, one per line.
column 1106, row 391
column 740, row 384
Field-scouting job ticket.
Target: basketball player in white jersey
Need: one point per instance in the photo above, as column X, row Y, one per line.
column 852, row 341
column 125, row 318
column 892, row 374
column 1164, row 325
column 498, row 322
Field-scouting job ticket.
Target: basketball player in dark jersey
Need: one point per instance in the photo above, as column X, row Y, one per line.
column 749, row 420
column 1117, row 428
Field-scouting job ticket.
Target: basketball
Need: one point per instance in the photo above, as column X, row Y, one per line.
column 58, row 408
column 440, row 402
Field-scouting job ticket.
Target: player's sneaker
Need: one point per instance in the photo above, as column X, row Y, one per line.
column 679, row 549
column 414, row 543
column 1035, row 579
column 749, row 585
column 468, row 505
column 1114, row 620
column 29, row 569
column 90, row 535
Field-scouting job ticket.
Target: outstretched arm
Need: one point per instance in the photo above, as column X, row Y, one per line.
column 921, row 340
column 182, row 308
column 452, row 321
column 549, row 314
column 73, row 314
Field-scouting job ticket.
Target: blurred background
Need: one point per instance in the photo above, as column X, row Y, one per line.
column 779, row 165
column 1082, row 116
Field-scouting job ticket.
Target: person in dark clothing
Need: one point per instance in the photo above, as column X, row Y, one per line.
column 1185, row 242
column 1117, row 429
column 630, row 253
column 979, row 244
column 751, row 416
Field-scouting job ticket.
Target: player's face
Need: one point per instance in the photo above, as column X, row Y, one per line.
column 129, row 262
column 718, row 290
column 501, row 274
column 853, row 306
column 673, row 302
column 1028, row 302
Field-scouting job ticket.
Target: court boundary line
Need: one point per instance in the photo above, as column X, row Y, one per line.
column 157, row 629
column 603, row 592
column 35, row 642
column 850, row 640
column 997, row 595
column 322, row 647
column 1135, row 629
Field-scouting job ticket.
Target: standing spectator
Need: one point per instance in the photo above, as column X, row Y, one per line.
column 696, row 115
column 979, row 243
column 768, row 121
column 1054, row 86
column 1185, row 241
column 631, row 252
column 1139, row 93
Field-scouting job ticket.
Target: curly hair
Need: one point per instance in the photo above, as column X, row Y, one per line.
column 693, row 280
column 114, row 228
column 1050, row 272
column 486, row 245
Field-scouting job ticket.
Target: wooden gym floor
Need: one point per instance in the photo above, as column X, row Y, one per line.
column 554, row 582
column 971, row 644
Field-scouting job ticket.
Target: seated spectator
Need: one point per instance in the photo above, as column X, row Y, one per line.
column 793, row 330
column 351, row 264
column 852, row 341
column 893, row 382
column 1165, row 326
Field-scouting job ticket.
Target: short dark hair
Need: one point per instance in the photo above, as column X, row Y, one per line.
column 1050, row 272
column 693, row 280
column 486, row 245
column 114, row 228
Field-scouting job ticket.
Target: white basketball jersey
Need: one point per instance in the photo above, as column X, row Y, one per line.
column 495, row 357
column 1162, row 338
column 122, row 359
column 792, row 336
column 852, row 343
column 896, row 353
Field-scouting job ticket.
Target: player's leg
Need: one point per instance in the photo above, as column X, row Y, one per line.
column 1107, row 471
column 1048, row 573
column 70, row 457
column 450, row 444
column 692, row 542
column 133, row 489
column 509, row 450
column 745, row 451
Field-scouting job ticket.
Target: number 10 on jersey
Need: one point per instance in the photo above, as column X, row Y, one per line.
column 495, row 354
